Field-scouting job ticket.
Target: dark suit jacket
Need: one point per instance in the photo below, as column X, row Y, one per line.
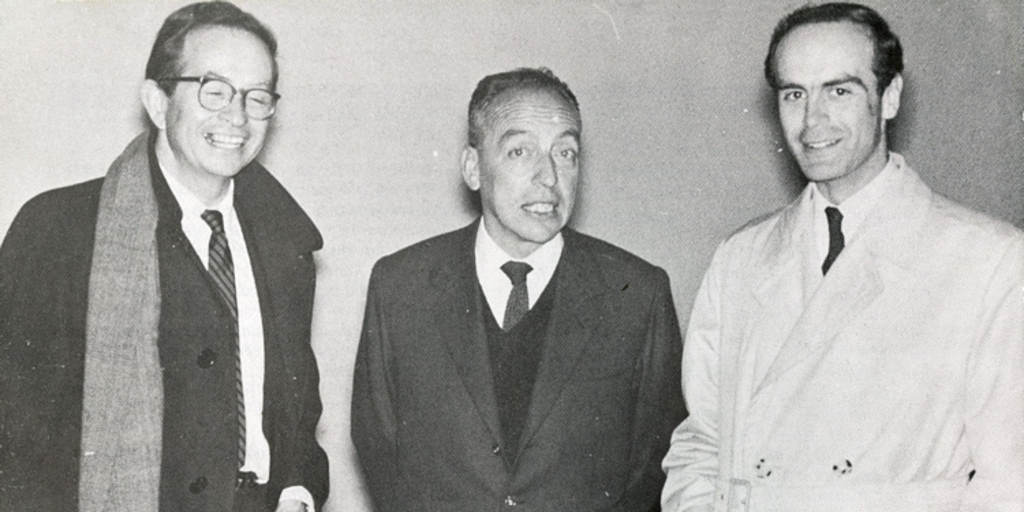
column 44, row 272
column 605, row 401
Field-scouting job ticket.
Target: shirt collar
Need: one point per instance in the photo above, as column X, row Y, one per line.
column 495, row 284
column 191, row 205
column 489, row 255
column 856, row 207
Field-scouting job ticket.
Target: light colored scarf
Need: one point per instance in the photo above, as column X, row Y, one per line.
column 122, row 410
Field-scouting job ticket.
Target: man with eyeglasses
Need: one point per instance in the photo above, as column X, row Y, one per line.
column 155, row 323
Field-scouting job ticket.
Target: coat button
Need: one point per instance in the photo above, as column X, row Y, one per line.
column 842, row 468
column 511, row 501
column 496, row 449
column 206, row 358
column 198, row 485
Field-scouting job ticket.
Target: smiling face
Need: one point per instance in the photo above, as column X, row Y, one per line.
column 831, row 113
column 526, row 168
column 205, row 149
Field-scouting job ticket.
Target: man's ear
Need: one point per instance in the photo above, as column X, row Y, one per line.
column 155, row 101
column 891, row 97
column 471, row 167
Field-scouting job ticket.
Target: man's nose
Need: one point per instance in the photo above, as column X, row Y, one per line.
column 546, row 173
column 234, row 111
column 816, row 110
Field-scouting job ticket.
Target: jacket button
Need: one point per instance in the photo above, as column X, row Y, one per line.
column 206, row 358
column 198, row 485
column 496, row 449
column 511, row 501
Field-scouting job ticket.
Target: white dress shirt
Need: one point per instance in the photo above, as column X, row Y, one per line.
column 854, row 209
column 496, row 284
column 250, row 322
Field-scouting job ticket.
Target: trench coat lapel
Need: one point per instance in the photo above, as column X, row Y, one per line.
column 883, row 250
column 782, row 285
column 843, row 294
column 458, row 313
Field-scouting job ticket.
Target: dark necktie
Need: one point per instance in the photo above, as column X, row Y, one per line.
column 518, row 300
column 835, row 237
column 222, row 269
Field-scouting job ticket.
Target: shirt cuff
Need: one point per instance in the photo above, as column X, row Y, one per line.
column 298, row 493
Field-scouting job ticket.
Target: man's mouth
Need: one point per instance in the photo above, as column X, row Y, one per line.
column 540, row 208
column 821, row 144
column 225, row 141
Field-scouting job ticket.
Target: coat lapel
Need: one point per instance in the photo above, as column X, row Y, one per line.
column 882, row 250
column 846, row 292
column 280, row 239
column 458, row 313
column 576, row 313
column 781, row 286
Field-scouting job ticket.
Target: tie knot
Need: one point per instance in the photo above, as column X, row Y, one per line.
column 214, row 219
column 516, row 271
column 835, row 217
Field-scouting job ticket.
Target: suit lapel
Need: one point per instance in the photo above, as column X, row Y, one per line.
column 576, row 313
column 458, row 313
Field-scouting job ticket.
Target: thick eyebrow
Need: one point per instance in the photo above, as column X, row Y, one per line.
column 845, row 79
column 848, row 79
column 787, row 85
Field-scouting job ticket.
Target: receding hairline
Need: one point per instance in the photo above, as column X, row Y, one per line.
column 192, row 35
column 486, row 116
column 860, row 28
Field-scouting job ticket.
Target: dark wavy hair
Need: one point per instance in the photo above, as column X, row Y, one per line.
column 521, row 79
column 888, row 54
column 165, row 58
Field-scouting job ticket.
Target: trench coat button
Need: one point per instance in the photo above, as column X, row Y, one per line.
column 763, row 469
column 198, row 485
column 842, row 468
column 206, row 358
column 511, row 501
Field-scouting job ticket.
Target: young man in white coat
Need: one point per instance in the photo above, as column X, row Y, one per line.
column 862, row 348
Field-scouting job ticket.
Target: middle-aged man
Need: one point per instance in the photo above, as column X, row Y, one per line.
column 154, row 324
column 516, row 362
column 862, row 348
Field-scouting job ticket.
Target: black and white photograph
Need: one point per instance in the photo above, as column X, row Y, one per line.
column 523, row 255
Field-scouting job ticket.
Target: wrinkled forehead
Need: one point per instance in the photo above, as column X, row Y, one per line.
column 533, row 108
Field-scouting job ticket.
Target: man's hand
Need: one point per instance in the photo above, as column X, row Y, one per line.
column 291, row 506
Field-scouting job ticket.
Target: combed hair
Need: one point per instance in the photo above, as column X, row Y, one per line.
column 888, row 55
column 165, row 58
column 521, row 79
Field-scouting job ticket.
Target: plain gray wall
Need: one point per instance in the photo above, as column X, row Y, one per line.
column 680, row 138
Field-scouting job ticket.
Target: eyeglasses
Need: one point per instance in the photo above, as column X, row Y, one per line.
column 215, row 94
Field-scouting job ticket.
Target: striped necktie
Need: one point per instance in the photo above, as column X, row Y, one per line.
column 222, row 270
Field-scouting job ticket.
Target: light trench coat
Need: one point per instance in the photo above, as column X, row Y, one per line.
column 879, row 387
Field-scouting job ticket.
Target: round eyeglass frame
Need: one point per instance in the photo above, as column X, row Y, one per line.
column 254, row 112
